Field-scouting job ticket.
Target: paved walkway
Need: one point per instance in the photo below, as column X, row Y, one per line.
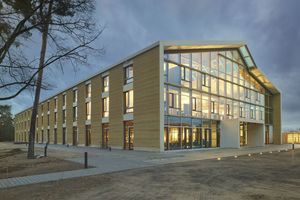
column 118, row 160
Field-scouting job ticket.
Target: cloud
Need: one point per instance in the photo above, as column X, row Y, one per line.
column 268, row 26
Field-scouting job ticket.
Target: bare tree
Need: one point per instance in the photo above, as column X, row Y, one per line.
column 67, row 31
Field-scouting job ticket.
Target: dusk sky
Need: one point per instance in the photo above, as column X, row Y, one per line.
column 269, row 27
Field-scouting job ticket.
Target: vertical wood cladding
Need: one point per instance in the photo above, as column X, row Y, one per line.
column 116, row 107
column 146, row 100
column 96, row 111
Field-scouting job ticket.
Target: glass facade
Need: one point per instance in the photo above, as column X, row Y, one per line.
column 202, row 88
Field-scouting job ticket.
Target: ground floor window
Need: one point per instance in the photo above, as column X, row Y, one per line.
column 105, row 135
column 188, row 133
column 48, row 136
column 64, row 135
column 268, row 134
column 243, row 133
column 128, row 135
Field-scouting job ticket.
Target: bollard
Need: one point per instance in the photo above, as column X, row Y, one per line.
column 85, row 160
column 45, row 150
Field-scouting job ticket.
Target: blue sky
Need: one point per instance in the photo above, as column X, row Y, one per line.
column 269, row 27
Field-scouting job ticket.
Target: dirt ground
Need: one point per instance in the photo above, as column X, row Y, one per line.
column 13, row 163
column 267, row 176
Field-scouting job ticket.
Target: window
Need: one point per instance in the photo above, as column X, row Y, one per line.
column 241, row 111
column 251, row 112
column 212, row 107
column 128, row 74
column 247, row 93
column 48, row 106
column 64, row 100
column 75, row 95
column 74, row 113
column 105, row 103
column 173, row 100
column 55, row 103
column 48, row 120
column 194, row 104
column 185, row 74
column 42, row 108
column 129, row 101
column 88, row 90
column 228, row 109
column 64, row 116
column 204, row 80
column 55, row 117
column 106, row 84
column 88, row 110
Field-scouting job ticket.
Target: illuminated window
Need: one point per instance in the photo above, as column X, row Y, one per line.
column 106, row 84
column 185, row 74
column 64, row 100
column 128, row 74
column 241, row 111
column 105, row 102
column 74, row 113
column 128, row 101
column 88, row 90
column 88, row 110
column 204, row 80
column 228, row 112
column 212, row 107
column 75, row 94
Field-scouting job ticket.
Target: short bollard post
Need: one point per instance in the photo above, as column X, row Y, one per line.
column 45, row 150
column 85, row 160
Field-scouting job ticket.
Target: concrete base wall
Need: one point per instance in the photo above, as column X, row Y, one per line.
column 230, row 133
column 256, row 135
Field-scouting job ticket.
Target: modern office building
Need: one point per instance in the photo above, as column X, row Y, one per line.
column 170, row 95
column 291, row 137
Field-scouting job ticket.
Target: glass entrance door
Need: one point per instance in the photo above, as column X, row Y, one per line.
column 128, row 138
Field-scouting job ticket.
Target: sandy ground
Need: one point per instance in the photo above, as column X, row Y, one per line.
column 13, row 162
column 267, row 176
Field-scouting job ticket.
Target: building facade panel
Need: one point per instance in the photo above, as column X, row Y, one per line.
column 146, row 100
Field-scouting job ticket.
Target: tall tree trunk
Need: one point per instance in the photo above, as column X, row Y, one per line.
column 45, row 29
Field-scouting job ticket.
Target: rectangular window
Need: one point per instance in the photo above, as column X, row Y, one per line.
column 55, row 103
column 173, row 100
column 129, row 101
column 88, row 110
column 185, row 74
column 74, row 113
column 194, row 104
column 64, row 100
column 55, row 117
column 241, row 111
column 128, row 74
column 64, row 116
column 105, row 84
column 251, row 112
column 212, row 107
column 48, row 120
column 48, row 106
column 105, row 103
column 88, row 90
column 75, row 95
column 204, row 80
column 42, row 108
column 228, row 110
